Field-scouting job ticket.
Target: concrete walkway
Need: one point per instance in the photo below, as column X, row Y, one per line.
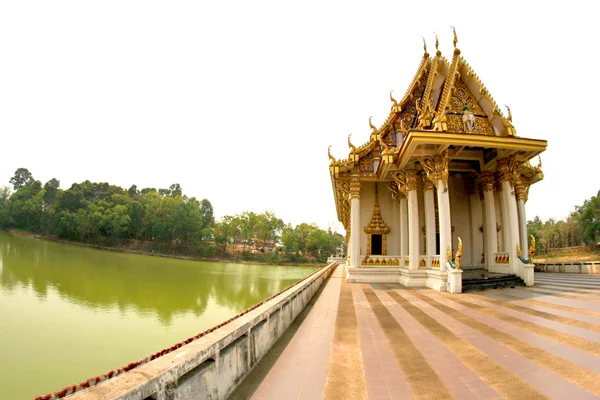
column 360, row 341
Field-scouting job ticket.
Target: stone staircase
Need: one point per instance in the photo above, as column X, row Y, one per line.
column 496, row 282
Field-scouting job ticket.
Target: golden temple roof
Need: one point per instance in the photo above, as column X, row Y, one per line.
column 446, row 107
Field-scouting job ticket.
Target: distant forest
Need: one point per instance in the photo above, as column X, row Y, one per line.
column 150, row 219
column 581, row 227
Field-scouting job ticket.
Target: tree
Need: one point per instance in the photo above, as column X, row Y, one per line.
column 289, row 238
column 22, row 177
column 175, row 190
column 590, row 220
column 132, row 191
column 50, row 191
column 207, row 212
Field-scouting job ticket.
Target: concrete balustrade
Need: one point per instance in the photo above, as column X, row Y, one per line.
column 212, row 366
column 589, row 267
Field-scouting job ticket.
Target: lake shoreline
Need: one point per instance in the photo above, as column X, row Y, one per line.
column 150, row 254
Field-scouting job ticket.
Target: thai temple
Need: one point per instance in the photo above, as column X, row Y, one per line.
column 440, row 187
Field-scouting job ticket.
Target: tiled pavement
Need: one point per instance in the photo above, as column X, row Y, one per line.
column 384, row 341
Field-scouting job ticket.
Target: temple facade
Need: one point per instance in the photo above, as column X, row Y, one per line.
column 440, row 185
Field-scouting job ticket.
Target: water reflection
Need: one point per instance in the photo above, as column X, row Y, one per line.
column 164, row 287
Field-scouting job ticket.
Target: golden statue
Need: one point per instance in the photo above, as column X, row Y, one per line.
column 532, row 248
column 518, row 250
column 458, row 254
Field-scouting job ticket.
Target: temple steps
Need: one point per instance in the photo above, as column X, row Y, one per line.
column 497, row 282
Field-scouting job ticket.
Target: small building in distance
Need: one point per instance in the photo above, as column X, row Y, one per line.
column 446, row 173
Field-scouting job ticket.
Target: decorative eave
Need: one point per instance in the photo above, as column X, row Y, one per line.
column 440, row 141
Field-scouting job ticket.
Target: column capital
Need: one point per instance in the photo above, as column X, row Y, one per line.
column 355, row 187
column 508, row 168
column 412, row 179
column 427, row 184
column 487, row 181
column 400, row 179
column 436, row 168
column 522, row 191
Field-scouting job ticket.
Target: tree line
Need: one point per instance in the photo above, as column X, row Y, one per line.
column 580, row 228
column 164, row 220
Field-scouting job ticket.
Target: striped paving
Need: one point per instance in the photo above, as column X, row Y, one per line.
column 382, row 341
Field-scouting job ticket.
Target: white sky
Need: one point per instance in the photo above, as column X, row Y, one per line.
column 238, row 100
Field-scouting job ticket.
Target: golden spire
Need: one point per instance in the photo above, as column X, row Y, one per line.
column 352, row 147
column 332, row 158
column 424, row 47
column 509, row 113
column 393, row 100
column 437, row 45
column 456, row 50
column 455, row 38
column 376, row 225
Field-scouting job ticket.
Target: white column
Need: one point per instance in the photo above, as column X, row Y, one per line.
column 429, row 218
column 512, row 222
column 489, row 226
column 476, row 217
column 413, row 220
column 403, row 227
column 520, row 189
column 506, row 234
column 445, row 221
column 355, row 222
column 500, row 216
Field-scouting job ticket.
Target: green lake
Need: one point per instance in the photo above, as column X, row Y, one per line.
column 68, row 313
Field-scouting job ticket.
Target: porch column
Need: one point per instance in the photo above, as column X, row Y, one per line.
column 521, row 190
column 355, row 222
column 476, row 217
column 510, row 211
column 429, row 218
column 445, row 222
column 436, row 168
column 413, row 219
column 489, row 227
column 403, row 226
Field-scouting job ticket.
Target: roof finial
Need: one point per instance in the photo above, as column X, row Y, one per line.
column 437, row 45
column 393, row 99
column 352, row 147
column 373, row 128
column 425, row 46
column 509, row 113
column 455, row 38
column 332, row 158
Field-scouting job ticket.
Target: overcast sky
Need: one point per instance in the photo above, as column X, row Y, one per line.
column 237, row 101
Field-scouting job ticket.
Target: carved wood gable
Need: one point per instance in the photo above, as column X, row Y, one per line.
column 408, row 116
column 461, row 98
column 366, row 163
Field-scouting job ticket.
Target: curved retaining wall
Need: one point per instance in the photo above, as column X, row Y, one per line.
column 212, row 366
column 590, row 267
